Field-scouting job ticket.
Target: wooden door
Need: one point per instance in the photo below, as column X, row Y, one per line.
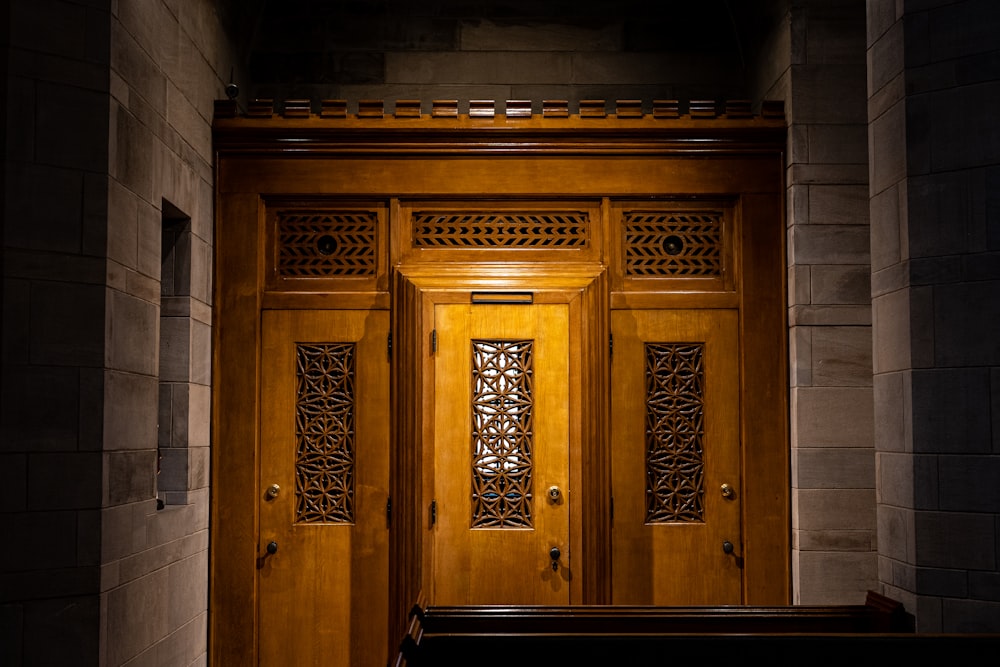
column 324, row 472
column 676, row 457
column 501, row 455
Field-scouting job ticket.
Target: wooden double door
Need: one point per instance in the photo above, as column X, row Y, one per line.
column 507, row 479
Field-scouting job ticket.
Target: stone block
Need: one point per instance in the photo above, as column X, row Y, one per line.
column 889, row 150
column 882, row 15
column 149, row 240
column 131, row 148
column 967, row 324
column 123, row 217
column 886, row 228
column 76, row 140
column 830, row 315
column 939, row 581
column 969, row 483
column 201, row 270
column 897, row 474
column 800, row 356
column 892, row 327
column 830, row 244
column 133, row 334
column 43, row 209
column 955, row 540
column 835, row 468
column 15, row 302
column 188, row 589
column 892, row 428
column 487, row 35
column 836, row 577
column 64, row 480
column 187, row 121
column 130, row 411
column 842, row 356
column 951, row 411
column 835, row 39
column 47, row 541
column 830, row 93
column 41, row 409
column 833, row 417
column 895, row 532
column 117, row 533
column 136, row 616
column 201, row 353
column 841, row 284
column 837, row 540
column 836, row 509
column 491, row 68
column 199, row 415
column 73, row 620
column 970, row 616
column 131, row 475
column 13, row 482
column 886, row 56
column 173, row 475
column 985, row 585
column 839, row 204
column 67, row 324
column 175, row 349
column 839, row 144
column 135, row 66
column 186, row 645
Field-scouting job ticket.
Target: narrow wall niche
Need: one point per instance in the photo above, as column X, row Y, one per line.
column 173, row 454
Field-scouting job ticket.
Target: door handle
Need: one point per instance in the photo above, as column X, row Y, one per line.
column 554, row 554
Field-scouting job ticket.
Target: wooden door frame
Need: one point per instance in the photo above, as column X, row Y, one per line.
column 418, row 289
column 337, row 157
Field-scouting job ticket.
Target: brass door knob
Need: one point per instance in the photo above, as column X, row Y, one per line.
column 728, row 491
column 273, row 491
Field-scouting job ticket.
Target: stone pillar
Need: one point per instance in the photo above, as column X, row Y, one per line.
column 935, row 211
column 829, row 311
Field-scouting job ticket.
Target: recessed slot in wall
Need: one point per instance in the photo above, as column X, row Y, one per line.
column 173, row 453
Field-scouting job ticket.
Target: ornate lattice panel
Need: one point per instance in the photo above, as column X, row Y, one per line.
column 501, row 433
column 675, row 431
column 324, row 433
column 674, row 244
column 326, row 244
column 500, row 229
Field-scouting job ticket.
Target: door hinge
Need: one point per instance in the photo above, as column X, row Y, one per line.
column 388, row 510
column 611, row 509
column 434, row 512
column 388, row 345
column 611, row 345
column 434, row 341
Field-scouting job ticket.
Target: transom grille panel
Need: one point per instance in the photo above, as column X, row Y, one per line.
column 326, row 244
column 324, row 433
column 492, row 229
column 675, row 431
column 673, row 244
column 502, row 433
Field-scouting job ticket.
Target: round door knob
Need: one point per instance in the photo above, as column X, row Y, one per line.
column 727, row 547
column 727, row 491
column 273, row 491
column 554, row 553
column 554, row 493
column 272, row 547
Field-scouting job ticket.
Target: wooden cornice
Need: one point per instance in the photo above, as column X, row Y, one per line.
column 704, row 127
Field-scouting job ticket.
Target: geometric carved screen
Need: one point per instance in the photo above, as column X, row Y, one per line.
column 673, row 243
column 324, row 433
column 675, row 430
column 324, row 244
column 493, row 229
column 502, row 433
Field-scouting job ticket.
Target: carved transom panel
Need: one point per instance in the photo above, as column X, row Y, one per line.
column 502, row 433
column 326, row 244
column 675, row 431
column 492, row 229
column 324, row 433
column 679, row 244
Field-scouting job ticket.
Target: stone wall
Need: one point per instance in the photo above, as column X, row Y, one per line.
column 106, row 337
column 935, row 175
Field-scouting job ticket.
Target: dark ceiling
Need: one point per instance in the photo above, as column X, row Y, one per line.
column 307, row 32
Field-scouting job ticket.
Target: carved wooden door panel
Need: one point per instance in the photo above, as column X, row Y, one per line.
column 676, row 457
column 322, row 586
column 501, row 455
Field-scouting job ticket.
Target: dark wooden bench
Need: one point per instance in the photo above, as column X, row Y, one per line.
column 638, row 635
